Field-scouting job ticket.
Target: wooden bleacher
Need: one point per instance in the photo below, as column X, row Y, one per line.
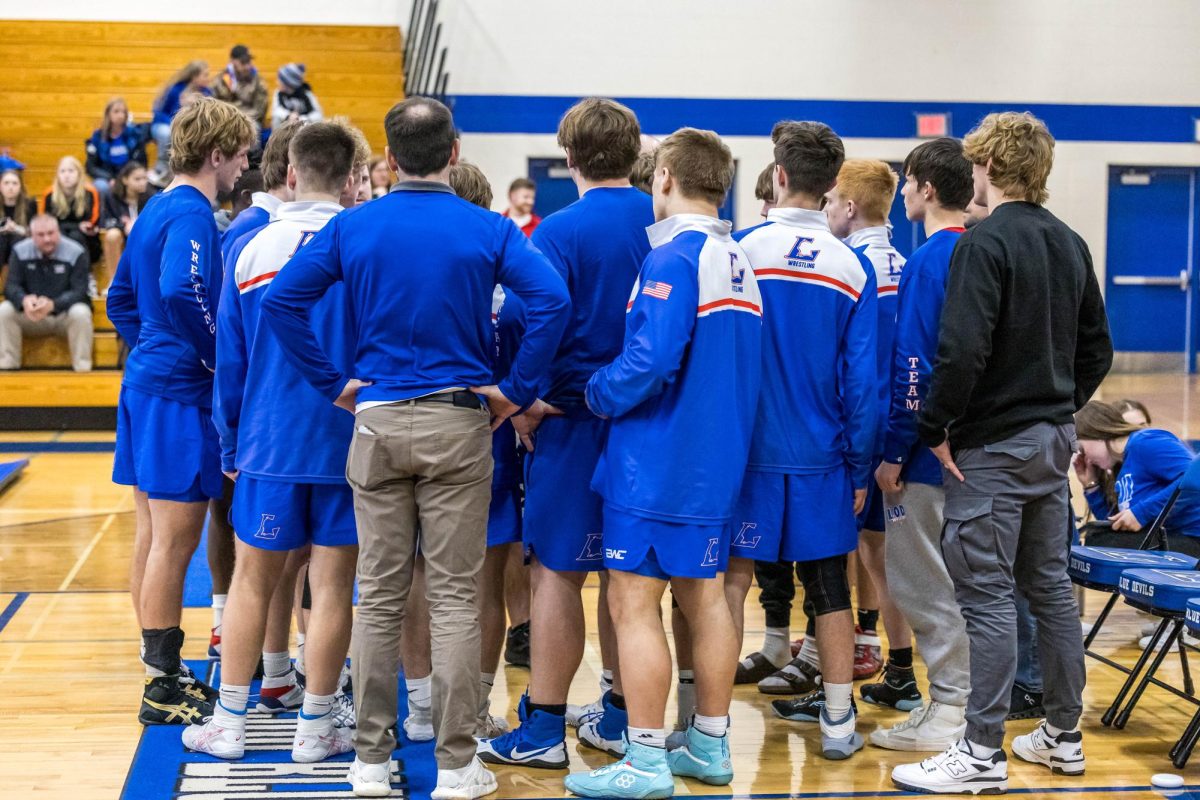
column 58, row 78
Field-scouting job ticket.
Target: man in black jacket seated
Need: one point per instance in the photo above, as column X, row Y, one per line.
column 1024, row 343
column 47, row 294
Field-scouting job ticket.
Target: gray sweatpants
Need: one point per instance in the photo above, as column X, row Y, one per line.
column 1006, row 526
column 921, row 588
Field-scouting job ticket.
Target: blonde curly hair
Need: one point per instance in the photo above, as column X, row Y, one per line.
column 205, row 126
column 1019, row 151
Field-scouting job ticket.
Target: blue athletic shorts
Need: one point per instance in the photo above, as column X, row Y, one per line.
column 274, row 515
column 662, row 550
column 564, row 518
column 504, row 517
column 871, row 518
column 167, row 449
column 794, row 517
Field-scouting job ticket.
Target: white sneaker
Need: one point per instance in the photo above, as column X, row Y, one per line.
column 418, row 725
column 343, row 711
column 1064, row 755
column 577, row 715
column 589, row 734
column 472, row 781
column 931, row 728
column 839, row 739
column 956, row 771
column 318, row 739
column 489, row 726
column 222, row 736
column 371, row 780
column 1188, row 639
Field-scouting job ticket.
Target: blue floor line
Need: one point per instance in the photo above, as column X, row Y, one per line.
column 12, row 608
column 57, row 447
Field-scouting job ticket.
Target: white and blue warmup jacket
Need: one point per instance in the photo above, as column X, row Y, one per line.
column 818, row 409
column 875, row 245
column 272, row 423
column 682, row 392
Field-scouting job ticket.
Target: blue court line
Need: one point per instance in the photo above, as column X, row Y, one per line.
column 869, row 119
column 12, row 608
column 57, row 447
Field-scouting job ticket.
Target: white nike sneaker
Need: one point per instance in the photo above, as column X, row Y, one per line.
column 223, row 736
column 956, row 771
column 371, row 780
column 472, row 781
column 418, row 725
column 1064, row 755
column 318, row 739
column 577, row 715
column 931, row 728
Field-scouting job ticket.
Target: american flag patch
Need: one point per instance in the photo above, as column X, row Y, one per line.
column 657, row 289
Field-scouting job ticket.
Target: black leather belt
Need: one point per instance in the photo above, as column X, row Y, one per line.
column 462, row 398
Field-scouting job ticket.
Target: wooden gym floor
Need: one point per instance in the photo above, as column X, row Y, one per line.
column 70, row 676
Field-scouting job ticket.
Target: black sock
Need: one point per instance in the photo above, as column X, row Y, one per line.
column 557, row 709
column 618, row 700
column 162, row 649
column 868, row 619
column 811, row 628
column 901, row 658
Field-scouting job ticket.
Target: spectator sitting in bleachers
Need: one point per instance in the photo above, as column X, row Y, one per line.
column 47, row 295
column 19, row 209
column 294, row 99
column 381, row 177
column 120, row 207
column 76, row 204
column 241, row 85
column 193, row 78
column 114, row 144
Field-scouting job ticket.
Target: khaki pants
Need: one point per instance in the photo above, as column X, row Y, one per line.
column 75, row 323
column 428, row 467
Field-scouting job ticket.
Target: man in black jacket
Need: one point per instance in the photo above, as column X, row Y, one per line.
column 1024, row 343
column 47, row 294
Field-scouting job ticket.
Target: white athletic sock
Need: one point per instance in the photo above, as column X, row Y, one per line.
column 713, row 726
column 276, row 665
column 1057, row 732
column 234, row 699
column 420, row 693
column 651, row 737
column 218, row 608
column 486, row 681
column 300, row 653
column 980, row 751
column 151, row 672
column 776, row 647
column 837, row 699
column 317, row 705
column 809, row 651
column 685, row 697
column 606, row 680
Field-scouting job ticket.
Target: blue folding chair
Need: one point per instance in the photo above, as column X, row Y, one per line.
column 1182, row 750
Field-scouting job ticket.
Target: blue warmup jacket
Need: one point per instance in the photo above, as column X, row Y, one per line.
column 818, row 406
column 163, row 298
column 257, row 215
column 509, row 316
column 918, row 315
column 420, row 266
column 875, row 245
column 597, row 244
column 1153, row 464
column 682, row 392
column 272, row 424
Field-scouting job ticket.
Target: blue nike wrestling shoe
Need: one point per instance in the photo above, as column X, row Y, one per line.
column 539, row 741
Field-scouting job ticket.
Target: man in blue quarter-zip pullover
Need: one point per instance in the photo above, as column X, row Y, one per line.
column 937, row 187
column 286, row 446
column 597, row 244
column 163, row 302
column 420, row 266
column 807, row 473
column 681, row 397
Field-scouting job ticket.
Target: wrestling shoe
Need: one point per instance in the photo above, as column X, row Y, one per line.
column 280, row 694
column 214, row 644
column 223, row 736
column 798, row 677
column 804, row 709
column 578, row 715
column 753, row 668
column 931, row 728
column 539, row 741
column 343, row 710
column 956, row 771
column 839, row 739
column 318, row 738
column 516, row 645
column 868, row 654
column 642, row 774
column 195, row 687
column 606, row 732
column 898, row 689
column 703, row 757
column 166, row 701
column 1064, row 755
